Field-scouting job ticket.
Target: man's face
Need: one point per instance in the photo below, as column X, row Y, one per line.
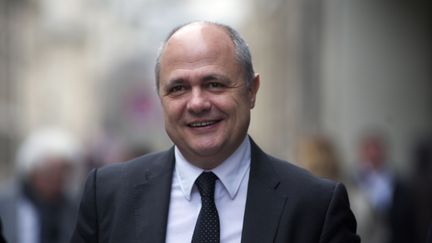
column 204, row 96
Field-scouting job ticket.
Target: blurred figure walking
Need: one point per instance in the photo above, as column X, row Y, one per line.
column 392, row 219
column 36, row 207
column 317, row 154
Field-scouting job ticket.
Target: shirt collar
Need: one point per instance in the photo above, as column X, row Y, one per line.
column 230, row 172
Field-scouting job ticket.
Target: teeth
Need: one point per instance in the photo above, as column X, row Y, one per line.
column 202, row 124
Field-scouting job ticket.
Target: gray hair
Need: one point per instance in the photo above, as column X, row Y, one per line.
column 242, row 53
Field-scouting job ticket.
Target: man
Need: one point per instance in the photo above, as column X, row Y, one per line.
column 207, row 88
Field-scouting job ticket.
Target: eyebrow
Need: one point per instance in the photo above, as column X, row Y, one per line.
column 174, row 82
column 206, row 78
column 217, row 77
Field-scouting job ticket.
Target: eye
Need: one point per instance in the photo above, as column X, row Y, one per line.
column 176, row 88
column 215, row 85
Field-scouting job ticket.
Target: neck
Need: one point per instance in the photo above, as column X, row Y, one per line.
column 209, row 162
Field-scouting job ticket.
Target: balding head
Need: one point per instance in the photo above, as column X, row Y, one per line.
column 204, row 94
column 241, row 49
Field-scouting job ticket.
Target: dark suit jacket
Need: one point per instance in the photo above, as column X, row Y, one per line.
column 129, row 203
column 429, row 236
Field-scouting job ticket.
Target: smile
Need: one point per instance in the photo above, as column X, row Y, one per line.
column 202, row 123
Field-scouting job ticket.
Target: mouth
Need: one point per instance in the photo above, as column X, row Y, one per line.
column 199, row 124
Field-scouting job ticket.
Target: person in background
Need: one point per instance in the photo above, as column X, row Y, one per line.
column 37, row 207
column 389, row 197
column 317, row 154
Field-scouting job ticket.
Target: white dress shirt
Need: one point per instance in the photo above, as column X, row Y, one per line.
column 230, row 196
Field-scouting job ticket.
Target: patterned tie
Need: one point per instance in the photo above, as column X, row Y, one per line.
column 207, row 226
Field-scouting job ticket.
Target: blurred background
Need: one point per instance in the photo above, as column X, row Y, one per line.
column 335, row 75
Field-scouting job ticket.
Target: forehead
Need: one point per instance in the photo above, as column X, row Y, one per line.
column 196, row 43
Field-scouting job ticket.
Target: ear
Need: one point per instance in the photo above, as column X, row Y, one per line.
column 253, row 89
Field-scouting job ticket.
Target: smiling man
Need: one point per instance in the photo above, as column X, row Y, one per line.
column 205, row 98
column 215, row 184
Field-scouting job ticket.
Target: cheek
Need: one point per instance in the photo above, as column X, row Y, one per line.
column 242, row 109
column 229, row 101
column 236, row 110
column 238, row 104
column 172, row 110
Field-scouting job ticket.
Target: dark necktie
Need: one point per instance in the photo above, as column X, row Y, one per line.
column 207, row 226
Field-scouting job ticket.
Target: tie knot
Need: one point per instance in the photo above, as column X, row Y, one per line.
column 206, row 184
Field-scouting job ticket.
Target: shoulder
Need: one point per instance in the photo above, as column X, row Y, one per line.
column 303, row 189
column 116, row 180
column 302, row 181
column 316, row 202
column 288, row 176
column 158, row 162
column 110, row 184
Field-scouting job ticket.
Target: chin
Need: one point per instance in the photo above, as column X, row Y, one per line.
column 206, row 150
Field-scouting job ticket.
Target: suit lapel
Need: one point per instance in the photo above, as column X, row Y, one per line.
column 151, row 197
column 264, row 204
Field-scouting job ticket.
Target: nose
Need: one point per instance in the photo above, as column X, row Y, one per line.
column 198, row 102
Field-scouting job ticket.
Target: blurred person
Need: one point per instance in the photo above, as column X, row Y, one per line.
column 318, row 155
column 421, row 182
column 107, row 149
column 215, row 184
column 388, row 196
column 37, row 206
